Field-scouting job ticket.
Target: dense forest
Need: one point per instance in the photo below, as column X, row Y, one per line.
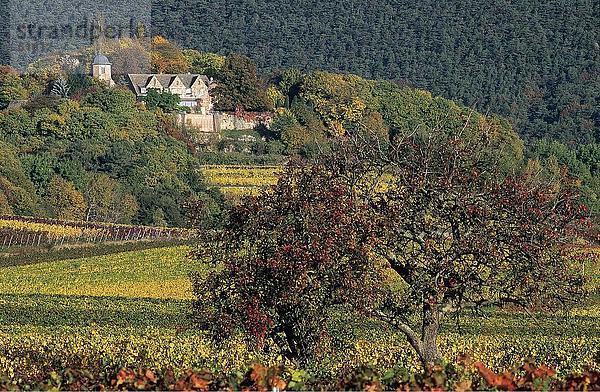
column 535, row 62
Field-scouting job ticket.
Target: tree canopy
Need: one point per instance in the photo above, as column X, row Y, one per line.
column 536, row 63
column 240, row 86
column 408, row 232
column 98, row 156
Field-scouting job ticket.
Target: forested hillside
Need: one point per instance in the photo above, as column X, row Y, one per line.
column 95, row 155
column 75, row 149
column 536, row 62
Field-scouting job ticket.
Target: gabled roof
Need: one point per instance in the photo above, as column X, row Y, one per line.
column 137, row 81
column 175, row 79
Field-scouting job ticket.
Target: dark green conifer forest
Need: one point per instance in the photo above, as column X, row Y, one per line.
column 535, row 62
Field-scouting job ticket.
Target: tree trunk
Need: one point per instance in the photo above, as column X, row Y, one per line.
column 426, row 345
column 429, row 353
column 293, row 351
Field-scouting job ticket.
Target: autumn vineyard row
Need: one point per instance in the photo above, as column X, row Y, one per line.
column 29, row 231
column 237, row 181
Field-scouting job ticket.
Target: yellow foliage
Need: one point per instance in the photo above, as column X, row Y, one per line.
column 236, row 182
column 54, row 231
column 241, row 176
column 159, row 40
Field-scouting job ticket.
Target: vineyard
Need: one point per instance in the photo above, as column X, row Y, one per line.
column 18, row 231
column 132, row 309
column 236, row 182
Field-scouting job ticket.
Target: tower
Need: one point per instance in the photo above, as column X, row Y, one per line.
column 102, row 69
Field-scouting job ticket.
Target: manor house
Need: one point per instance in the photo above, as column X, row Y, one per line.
column 192, row 89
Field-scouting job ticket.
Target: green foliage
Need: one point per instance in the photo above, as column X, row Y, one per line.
column 164, row 100
column 294, row 136
column 324, row 106
column 17, row 194
column 528, row 61
column 109, row 201
column 338, row 99
column 17, row 127
column 111, row 100
column 103, row 134
column 203, row 63
column 582, row 162
column 239, row 86
column 64, row 201
column 78, row 82
column 40, row 169
column 11, row 86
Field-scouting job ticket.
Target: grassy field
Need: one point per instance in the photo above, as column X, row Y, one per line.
column 133, row 308
column 126, row 309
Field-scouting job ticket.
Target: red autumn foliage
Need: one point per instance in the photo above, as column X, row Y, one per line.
column 527, row 377
column 436, row 214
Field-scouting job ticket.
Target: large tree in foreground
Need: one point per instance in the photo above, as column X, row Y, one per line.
column 408, row 232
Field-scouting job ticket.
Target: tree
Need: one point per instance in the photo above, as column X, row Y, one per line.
column 11, row 86
column 336, row 98
column 581, row 164
column 158, row 218
column 408, row 232
column 17, row 192
column 111, row 100
column 5, row 208
column 16, row 124
column 239, row 86
column 128, row 56
column 166, row 101
column 548, row 85
column 64, row 201
column 167, row 57
column 109, row 201
column 204, row 63
column 78, row 82
column 289, row 83
column 60, row 88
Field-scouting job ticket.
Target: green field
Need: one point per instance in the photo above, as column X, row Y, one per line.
column 134, row 308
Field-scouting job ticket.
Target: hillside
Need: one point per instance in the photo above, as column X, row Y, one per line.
column 96, row 156
column 537, row 63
